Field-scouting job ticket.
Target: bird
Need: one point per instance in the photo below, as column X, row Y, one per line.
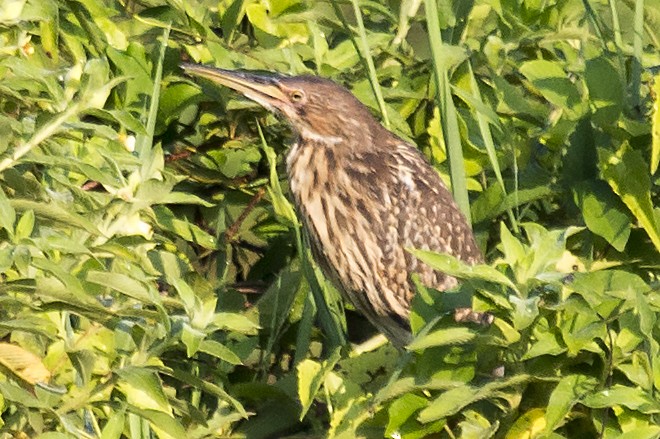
column 363, row 195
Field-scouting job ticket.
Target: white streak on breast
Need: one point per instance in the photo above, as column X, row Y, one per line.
column 313, row 136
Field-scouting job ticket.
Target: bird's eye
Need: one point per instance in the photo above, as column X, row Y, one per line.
column 297, row 95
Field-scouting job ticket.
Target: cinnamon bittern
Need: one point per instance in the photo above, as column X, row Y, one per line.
column 363, row 195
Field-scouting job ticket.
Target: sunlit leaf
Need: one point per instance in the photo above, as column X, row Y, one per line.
column 566, row 394
column 626, row 172
column 528, row 426
column 448, row 264
column 143, row 389
column 23, row 364
column 442, row 337
column 311, row 376
column 655, row 127
column 618, row 395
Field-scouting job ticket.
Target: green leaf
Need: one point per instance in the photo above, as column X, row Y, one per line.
column 54, row 435
column 164, row 424
column 448, row 403
column 606, row 90
column 207, row 386
column 25, row 226
column 311, row 376
column 401, row 410
column 513, row 100
column 114, row 428
column 647, row 317
column 441, row 53
column 235, row 322
column 131, row 64
column 151, row 157
column 525, row 311
column 54, row 212
column 94, row 91
column 493, row 202
column 192, row 339
column 550, row 79
column 11, row 11
column 626, row 172
column 603, row 212
column 143, row 389
column 452, row 266
column 442, row 337
column 529, row 425
column 167, row 220
column 272, row 19
column 655, row 126
column 513, row 250
column 184, row 198
column 123, row 284
column 646, row 432
column 175, row 98
column 282, row 207
column 20, row 396
column 633, row 398
column 237, row 162
column 568, row 392
column 603, row 290
column 547, row 343
column 219, row 351
column 638, row 370
column 7, row 214
column 457, row 398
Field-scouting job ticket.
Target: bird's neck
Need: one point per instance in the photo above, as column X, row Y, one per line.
column 309, row 136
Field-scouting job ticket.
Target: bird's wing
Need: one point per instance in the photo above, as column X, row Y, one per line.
column 428, row 217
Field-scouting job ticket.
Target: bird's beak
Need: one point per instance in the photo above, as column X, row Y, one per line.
column 262, row 89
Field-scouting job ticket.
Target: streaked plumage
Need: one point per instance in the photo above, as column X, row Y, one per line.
column 363, row 194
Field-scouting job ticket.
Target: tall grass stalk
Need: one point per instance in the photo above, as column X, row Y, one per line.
column 484, row 129
column 636, row 70
column 364, row 53
column 448, row 116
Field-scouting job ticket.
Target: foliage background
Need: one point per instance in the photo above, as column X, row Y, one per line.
column 154, row 277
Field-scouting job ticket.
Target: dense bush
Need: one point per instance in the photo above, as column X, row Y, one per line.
column 155, row 280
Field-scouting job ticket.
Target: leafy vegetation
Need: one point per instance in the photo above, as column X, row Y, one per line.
column 155, row 280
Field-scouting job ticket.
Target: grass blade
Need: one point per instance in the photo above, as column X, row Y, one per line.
column 152, row 161
column 636, row 67
column 448, row 115
column 365, row 56
column 655, row 127
column 484, row 129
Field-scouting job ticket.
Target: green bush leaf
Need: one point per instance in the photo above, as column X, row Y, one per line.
column 551, row 81
column 441, row 337
column 568, row 392
column 452, row 266
column 619, row 395
column 143, row 389
column 603, row 212
column 625, row 171
column 605, row 90
column 219, row 351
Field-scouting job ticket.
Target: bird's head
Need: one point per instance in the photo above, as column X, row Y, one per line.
column 316, row 108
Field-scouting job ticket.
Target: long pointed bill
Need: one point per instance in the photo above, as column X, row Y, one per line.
column 260, row 88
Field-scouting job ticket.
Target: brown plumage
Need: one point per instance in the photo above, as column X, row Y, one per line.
column 363, row 195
